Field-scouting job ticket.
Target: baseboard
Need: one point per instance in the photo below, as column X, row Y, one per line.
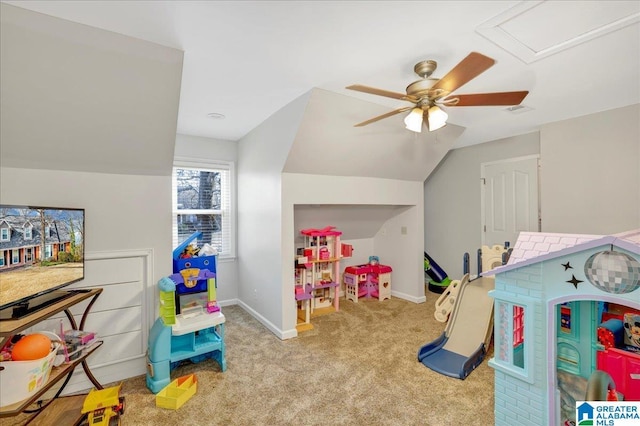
column 105, row 374
column 283, row 335
column 409, row 297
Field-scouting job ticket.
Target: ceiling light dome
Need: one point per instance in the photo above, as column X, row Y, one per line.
column 413, row 121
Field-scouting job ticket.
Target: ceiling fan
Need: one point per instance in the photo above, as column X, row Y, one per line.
column 430, row 94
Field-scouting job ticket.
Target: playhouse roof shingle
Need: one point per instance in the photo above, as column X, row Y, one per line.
column 534, row 247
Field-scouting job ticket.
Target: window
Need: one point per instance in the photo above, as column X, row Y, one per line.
column 513, row 348
column 27, row 232
column 2, row 258
column 28, row 256
column 518, row 336
column 48, row 251
column 202, row 202
column 4, row 234
column 15, row 257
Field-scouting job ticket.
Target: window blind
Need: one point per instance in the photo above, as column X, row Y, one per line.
column 202, row 203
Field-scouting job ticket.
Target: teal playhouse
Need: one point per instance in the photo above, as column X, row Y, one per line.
column 566, row 325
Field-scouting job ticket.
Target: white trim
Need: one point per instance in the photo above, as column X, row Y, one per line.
column 408, row 297
column 493, row 31
column 281, row 334
column 527, row 373
column 150, row 298
column 135, row 365
column 194, row 162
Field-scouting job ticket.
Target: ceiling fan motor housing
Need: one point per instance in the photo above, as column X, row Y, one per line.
column 421, row 89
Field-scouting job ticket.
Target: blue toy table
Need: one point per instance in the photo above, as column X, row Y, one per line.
column 195, row 338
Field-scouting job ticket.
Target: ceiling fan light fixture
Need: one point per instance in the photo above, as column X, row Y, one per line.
column 413, row 121
column 437, row 118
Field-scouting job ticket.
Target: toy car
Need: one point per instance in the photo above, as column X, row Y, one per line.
column 104, row 407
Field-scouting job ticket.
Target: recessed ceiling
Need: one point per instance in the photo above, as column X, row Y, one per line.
column 533, row 30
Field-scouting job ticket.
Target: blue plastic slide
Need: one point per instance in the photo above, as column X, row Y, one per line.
column 463, row 345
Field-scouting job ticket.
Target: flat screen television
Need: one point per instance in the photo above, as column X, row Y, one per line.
column 41, row 251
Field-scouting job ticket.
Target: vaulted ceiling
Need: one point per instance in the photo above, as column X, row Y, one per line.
column 246, row 60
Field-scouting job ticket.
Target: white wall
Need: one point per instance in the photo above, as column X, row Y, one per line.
column 201, row 148
column 261, row 157
column 402, row 252
column 81, row 98
column 452, row 198
column 126, row 217
column 400, row 244
column 590, row 178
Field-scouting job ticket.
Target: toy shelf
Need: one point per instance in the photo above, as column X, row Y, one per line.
column 326, row 285
column 331, row 259
column 188, row 343
column 63, row 371
column 57, row 373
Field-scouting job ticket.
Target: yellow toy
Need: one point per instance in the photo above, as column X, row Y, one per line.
column 104, row 407
column 176, row 393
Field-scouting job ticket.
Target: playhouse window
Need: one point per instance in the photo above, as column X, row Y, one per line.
column 202, row 202
column 518, row 336
column 511, row 339
column 513, row 330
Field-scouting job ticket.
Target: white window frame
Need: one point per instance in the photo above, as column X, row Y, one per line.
column 15, row 256
column 28, row 232
column 228, row 211
column 4, row 234
column 507, row 366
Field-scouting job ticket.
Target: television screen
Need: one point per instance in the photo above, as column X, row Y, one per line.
column 41, row 251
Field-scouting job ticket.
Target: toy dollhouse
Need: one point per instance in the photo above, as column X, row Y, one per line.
column 566, row 315
column 317, row 274
column 371, row 280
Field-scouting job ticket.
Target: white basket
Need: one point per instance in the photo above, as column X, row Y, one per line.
column 21, row 379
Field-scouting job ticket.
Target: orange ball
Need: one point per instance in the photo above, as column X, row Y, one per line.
column 30, row 347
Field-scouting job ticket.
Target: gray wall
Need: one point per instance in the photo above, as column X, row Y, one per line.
column 452, row 200
column 590, row 175
column 589, row 183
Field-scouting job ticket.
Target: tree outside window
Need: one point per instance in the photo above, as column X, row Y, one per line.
column 202, row 203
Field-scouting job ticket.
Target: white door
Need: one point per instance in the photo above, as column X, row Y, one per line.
column 510, row 202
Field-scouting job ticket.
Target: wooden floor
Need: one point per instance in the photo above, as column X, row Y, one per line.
column 64, row 411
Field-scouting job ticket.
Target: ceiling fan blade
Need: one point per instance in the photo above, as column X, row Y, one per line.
column 488, row 99
column 380, row 92
column 469, row 68
column 380, row 117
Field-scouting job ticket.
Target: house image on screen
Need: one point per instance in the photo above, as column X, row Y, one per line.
column 24, row 240
column 565, row 306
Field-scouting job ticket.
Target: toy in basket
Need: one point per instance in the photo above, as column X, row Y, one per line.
column 21, row 379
